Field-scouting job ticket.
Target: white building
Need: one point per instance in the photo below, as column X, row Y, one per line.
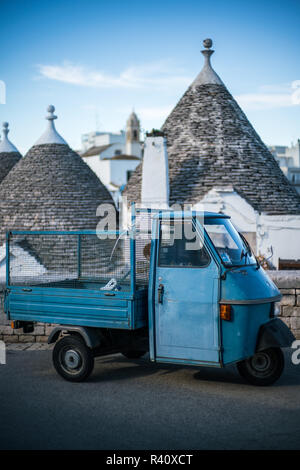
column 114, row 156
column 288, row 158
column 105, row 143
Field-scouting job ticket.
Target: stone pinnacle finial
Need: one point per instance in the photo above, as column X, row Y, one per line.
column 207, row 76
column 6, row 145
column 207, row 43
column 51, row 136
column 51, row 116
column 207, row 52
column 5, row 129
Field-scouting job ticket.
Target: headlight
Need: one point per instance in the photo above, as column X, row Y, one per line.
column 277, row 309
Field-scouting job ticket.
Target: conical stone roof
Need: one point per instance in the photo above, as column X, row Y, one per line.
column 51, row 188
column 9, row 154
column 211, row 143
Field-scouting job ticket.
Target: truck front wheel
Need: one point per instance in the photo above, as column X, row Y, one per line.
column 264, row 368
column 72, row 359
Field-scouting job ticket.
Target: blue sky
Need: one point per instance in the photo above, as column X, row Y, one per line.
column 96, row 60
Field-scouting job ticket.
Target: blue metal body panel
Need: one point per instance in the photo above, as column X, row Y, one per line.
column 239, row 336
column 250, row 292
column 83, row 307
column 185, row 327
column 187, row 321
column 151, row 293
column 248, row 284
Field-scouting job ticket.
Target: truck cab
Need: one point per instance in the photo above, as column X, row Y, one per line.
column 208, row 296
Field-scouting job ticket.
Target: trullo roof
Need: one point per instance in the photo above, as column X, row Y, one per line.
column 211, row 143
column 9, row 154
column 51, row 188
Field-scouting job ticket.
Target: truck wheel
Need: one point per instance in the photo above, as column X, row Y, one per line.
column 72, row 359
column 264, row 368
column 133, row 354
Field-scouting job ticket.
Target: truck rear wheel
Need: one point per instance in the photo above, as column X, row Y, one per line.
column 264, row 368
column 72, row 359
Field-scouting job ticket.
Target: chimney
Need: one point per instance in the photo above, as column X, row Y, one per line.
column 155, row 175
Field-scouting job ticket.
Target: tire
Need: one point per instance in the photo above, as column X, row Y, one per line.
column 264, row 368
column 72, row 359
column 133, row 354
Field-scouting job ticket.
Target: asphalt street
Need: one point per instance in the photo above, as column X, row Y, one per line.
column 139, row 405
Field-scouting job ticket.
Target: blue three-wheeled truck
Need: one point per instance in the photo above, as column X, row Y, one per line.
column 183, row 286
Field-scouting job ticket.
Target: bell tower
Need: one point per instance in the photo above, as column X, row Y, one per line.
column 133, row 146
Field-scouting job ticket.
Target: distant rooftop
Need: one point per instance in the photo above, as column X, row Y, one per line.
column 95, row 150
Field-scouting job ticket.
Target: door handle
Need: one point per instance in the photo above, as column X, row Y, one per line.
column 27, row 290
column 160, row 291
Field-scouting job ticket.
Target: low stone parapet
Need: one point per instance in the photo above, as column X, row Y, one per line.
column 288, row 282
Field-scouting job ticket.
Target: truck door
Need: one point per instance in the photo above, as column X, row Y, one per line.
column 186, row 313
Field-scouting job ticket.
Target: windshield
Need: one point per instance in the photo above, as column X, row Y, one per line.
column 227, row 241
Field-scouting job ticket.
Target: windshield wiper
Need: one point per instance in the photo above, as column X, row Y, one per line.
column 248, row 251
column 244, row 254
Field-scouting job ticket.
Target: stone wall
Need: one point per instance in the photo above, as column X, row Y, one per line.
column 8, row 335
column 287, row 281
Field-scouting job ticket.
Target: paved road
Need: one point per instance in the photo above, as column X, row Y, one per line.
column 139, row 405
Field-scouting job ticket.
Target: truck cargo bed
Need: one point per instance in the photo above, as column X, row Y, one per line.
column 65, row 278
column 84, row 305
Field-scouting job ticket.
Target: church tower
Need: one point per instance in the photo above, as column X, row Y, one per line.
column 133, row 146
